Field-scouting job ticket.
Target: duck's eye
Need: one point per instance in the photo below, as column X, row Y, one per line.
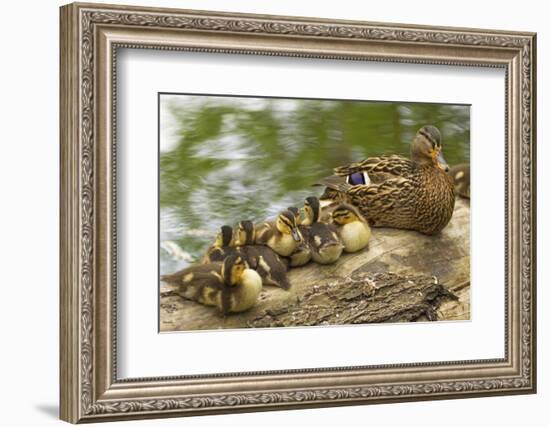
column 428, row 137
column 357, row 178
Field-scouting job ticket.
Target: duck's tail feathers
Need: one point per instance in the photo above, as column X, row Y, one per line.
column 335, row 182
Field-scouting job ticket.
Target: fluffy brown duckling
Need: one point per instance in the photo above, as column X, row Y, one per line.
column 271, row 268
column 230, row 285
column 223, row 246
column 281, row 235
column 323, row 240
column 461, row 178
column 352, row 229
column 302, row 254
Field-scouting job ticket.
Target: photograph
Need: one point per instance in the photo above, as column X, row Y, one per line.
column 292, row 212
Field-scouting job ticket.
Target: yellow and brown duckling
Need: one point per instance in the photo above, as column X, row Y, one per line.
column 461, row 178
column 393, row 191
column 271, row 268
column 296, row 212
column 222, row 247
column 302, row 254
column 230, row 285
column 322, row 238
column 281, row 235
column 352, row 229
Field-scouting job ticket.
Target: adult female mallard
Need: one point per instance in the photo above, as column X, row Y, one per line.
column 393, row 191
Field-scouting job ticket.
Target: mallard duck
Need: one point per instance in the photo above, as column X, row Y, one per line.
column 282, row 235
column 263, row 259
column 352, row 229
column 393, row 191
column 223, row 246
column 229, row 285
column 461, row 178
column 302, row 254
column 323, row 241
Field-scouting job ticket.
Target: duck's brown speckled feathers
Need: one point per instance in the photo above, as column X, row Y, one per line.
column 414, row 194
column 379, row 169
column 406, row 202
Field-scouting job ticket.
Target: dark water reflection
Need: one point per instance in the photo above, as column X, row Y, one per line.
column 224, row 159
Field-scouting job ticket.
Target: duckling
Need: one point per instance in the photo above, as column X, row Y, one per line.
column 223, row 246
column 351, row 227
column 296, row 212
column 323, row 241
column 230, row 285
column 263, row 259
column 302, row 254
column 327, row 207
column 461, row 178
column 282, row 235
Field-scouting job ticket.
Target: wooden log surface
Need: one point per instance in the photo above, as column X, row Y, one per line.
column 401, row 276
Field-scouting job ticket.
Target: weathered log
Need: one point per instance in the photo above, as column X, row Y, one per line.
column 402, row 265
column 362, row 298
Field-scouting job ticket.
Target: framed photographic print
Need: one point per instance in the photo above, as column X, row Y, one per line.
column 343, row 211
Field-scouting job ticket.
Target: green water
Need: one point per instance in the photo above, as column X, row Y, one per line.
column 225, row 159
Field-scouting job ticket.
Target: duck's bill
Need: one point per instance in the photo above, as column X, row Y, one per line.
column 442, row 163
column 296, row 235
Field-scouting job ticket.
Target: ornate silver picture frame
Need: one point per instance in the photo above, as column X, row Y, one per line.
column 91, row 390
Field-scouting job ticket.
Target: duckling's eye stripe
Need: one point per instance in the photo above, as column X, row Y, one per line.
column 286, row 221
